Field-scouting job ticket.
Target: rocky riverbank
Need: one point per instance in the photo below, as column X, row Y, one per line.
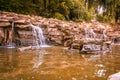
column 56, row 32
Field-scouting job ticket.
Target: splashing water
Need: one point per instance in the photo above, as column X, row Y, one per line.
column 93, row 42
column 38, row 37
column 103, row 35
column 89, row 33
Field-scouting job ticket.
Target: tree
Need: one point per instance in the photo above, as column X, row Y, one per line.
column 77, row 10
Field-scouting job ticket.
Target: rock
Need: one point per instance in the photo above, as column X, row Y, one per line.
column 2, row 36
column 67, row 37
column 20, row 21
column 76, row 44
column 24, row 27
column 4, row 24
column 115, row 76
column 26, row 37
column 25, row 48
column 3, row 20
column 116, row 40
column 56, row 40
column 59, row 32
column 107, row 43
column 68, row 43
column 55, row 33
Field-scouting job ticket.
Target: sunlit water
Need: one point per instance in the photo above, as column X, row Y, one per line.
column 57, row 63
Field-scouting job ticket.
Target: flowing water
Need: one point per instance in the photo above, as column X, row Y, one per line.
column 57, row 63
column 92, row 40
column 39, row 39
column 11, row 44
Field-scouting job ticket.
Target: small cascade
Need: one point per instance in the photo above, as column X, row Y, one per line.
column 92, row 41
column 39, row 39
column 103, row 35
column 11, row 44
column 89, row 34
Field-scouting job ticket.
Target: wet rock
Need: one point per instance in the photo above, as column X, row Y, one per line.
column 25, row 48
column 76, row 44
column 68, row 43
column 25, row 34
column 116, row 40
column 1, row 36
column 26, row 37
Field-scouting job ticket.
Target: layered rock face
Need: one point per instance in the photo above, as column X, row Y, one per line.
column 56, row 32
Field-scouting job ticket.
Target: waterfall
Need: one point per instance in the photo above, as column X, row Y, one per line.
column 39, row 39
column 100, row 10
column 93, row 42
column 103, row 35
column 89, row 34
column 11, row 44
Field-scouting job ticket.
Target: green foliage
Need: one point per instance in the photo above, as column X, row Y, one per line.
column 77, row 10
column 88, row 16
column 102, row 18
column 59, row 16
column 18, row 6
column 63, row 9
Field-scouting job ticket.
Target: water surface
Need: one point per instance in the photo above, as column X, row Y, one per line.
column 57, row 63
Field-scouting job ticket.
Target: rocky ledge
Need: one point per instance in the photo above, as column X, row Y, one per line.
column 56, row 32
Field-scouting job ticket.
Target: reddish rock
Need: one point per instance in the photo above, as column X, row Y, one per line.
column 5, row 24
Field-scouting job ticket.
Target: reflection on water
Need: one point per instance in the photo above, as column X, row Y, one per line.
column 57, row 63
column 38, row 58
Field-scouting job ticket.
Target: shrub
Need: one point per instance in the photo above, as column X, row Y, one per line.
column 59, row 16
column 105, row 18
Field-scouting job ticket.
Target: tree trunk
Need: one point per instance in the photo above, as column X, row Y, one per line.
column 45, row 4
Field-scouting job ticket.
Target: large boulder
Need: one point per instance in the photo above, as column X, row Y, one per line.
column 115, row 76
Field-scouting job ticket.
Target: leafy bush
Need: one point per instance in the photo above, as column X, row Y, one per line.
column 87, row 16
column 77, row 10
column 59, row 16
column 105, row 18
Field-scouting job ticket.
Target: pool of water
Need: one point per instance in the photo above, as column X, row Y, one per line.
column 57, row 63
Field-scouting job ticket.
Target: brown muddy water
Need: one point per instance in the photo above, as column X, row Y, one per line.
column 57, row 63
